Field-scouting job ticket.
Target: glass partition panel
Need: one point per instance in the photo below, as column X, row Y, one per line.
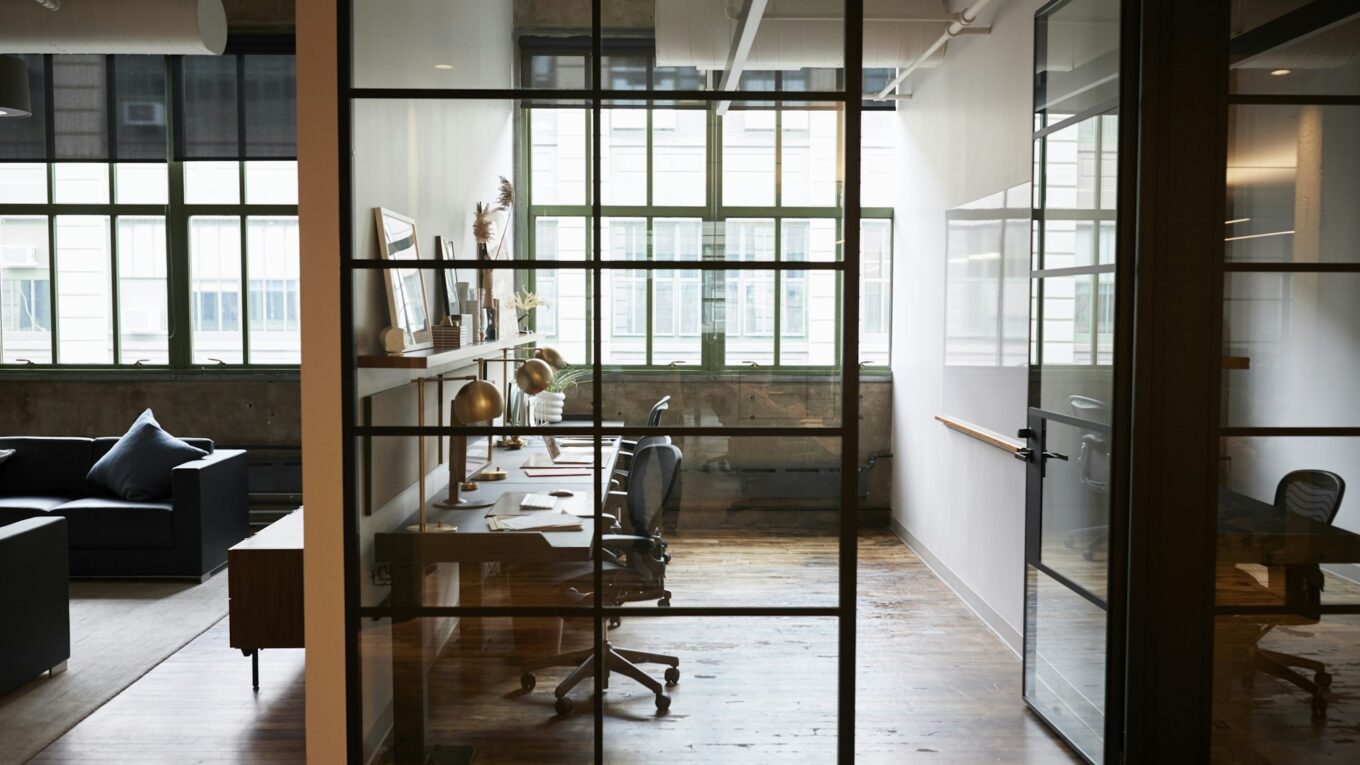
column 1283, row 163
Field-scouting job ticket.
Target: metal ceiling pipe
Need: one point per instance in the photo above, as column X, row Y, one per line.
column 177, row 27
column 956, row 27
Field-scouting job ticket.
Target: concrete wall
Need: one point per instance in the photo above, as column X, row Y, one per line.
column 965, row 135
column 240, row 411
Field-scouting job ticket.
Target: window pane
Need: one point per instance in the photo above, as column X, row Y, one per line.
column 84, row 290
column 749, row 317
column 272, row 266
column 677, row 311
column 808, row 307
column 624, row 325
column 878, row 157
column 215, row 289
column 143, row 305
column 25, row 138
column 212, row 183
column 270, row 92
column 22, row 183
column 563, row 316
column 139, row 107
column 559, row 141
column 142, row 183
column 25, row 291
column 809, row 158
column 875, row 300
column 748, row 158
column 208, row 103
column 623, row 165
column 271, row 183
column 679, row 156
column 82, row 183
column 79, row 107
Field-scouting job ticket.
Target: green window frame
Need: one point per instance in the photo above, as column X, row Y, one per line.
column 146, row 267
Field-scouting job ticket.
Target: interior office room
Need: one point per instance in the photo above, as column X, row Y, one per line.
column 700, row 380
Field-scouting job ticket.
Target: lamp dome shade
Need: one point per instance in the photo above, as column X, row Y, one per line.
column 550, row 355
column 14, row 96
column 533, row 376
column 478, row 401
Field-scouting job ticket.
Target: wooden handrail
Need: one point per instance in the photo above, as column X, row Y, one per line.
column 985, row 435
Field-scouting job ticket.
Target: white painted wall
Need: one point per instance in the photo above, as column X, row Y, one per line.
column 432, row 161
column 964, row 134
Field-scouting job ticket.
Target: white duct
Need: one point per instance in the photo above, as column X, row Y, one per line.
column 795, row 34
column 184, row 27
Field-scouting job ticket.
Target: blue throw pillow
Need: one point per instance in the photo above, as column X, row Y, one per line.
column 138, row 467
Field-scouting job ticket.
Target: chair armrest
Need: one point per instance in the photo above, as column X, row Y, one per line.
column 626, row 541
column 210, row 498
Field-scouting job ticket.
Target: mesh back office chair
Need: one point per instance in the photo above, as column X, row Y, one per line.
column 634, row 569
column 628, row 448
column 1094, row 462
column 1313, row 494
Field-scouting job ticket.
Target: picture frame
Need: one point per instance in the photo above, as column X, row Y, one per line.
column 406, row 303
column 443, row 250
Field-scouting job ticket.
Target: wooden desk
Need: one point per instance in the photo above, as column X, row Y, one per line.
column 409, row 554
column 1252, row 531
column 264, row 584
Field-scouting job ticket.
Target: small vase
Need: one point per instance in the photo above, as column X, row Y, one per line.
column 550, row 404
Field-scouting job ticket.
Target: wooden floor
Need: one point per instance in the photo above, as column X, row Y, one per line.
column 935, row 685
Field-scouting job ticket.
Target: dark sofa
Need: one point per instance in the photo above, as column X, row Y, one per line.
column 33, row 595
column 184, row 535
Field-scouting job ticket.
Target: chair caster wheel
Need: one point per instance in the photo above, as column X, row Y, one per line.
column 1323, row 680
column 663, row 702
column 564, row 705
column 1319, row 709
column 527, row 681
column 664, row 602
column 672, row 675
column 615, row 622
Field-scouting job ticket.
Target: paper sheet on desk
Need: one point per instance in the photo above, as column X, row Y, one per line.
column 543, row 521
column 554, row 472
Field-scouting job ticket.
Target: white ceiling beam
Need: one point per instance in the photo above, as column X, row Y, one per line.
column 752, row 11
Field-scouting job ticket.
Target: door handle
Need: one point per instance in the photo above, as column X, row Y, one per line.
column 1025, row 454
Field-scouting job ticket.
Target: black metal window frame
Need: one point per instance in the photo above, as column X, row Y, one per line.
column 850, row 99
column 176, row 213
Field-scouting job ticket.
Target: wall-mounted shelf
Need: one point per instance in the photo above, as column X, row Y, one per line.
column 985, row 435
column 429, row 358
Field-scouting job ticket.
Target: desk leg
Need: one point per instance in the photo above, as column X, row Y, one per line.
column 471, row 632
column 410, row 690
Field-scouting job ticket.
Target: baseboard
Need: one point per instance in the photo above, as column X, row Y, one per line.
column 1003, row 630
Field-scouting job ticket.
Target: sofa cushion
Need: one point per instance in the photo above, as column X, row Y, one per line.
column 15, row 509
column 137, row 468
column 45, row 467
column 96, row 523
column 103, row 444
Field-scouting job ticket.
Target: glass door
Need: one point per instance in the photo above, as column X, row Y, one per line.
column 1069, row 433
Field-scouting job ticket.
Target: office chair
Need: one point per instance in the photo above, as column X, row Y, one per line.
column 634, row 569
column 628, row 448
column 1094, row 462
column 1314, row 494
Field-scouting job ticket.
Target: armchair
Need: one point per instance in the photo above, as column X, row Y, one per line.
column 34, row 595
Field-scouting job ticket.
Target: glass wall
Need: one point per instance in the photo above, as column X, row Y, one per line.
column 601, row 337
column 1287, row 584
column 1070, row 432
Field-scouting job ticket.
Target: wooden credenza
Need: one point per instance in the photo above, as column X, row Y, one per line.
column 264, row 582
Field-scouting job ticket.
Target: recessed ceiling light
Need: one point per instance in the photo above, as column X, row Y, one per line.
column 443, row 66
column 1280, row 72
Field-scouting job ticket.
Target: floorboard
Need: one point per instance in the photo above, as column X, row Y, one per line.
column 934, row 683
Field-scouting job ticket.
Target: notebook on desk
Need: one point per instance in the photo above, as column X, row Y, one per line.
column 569, row 455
